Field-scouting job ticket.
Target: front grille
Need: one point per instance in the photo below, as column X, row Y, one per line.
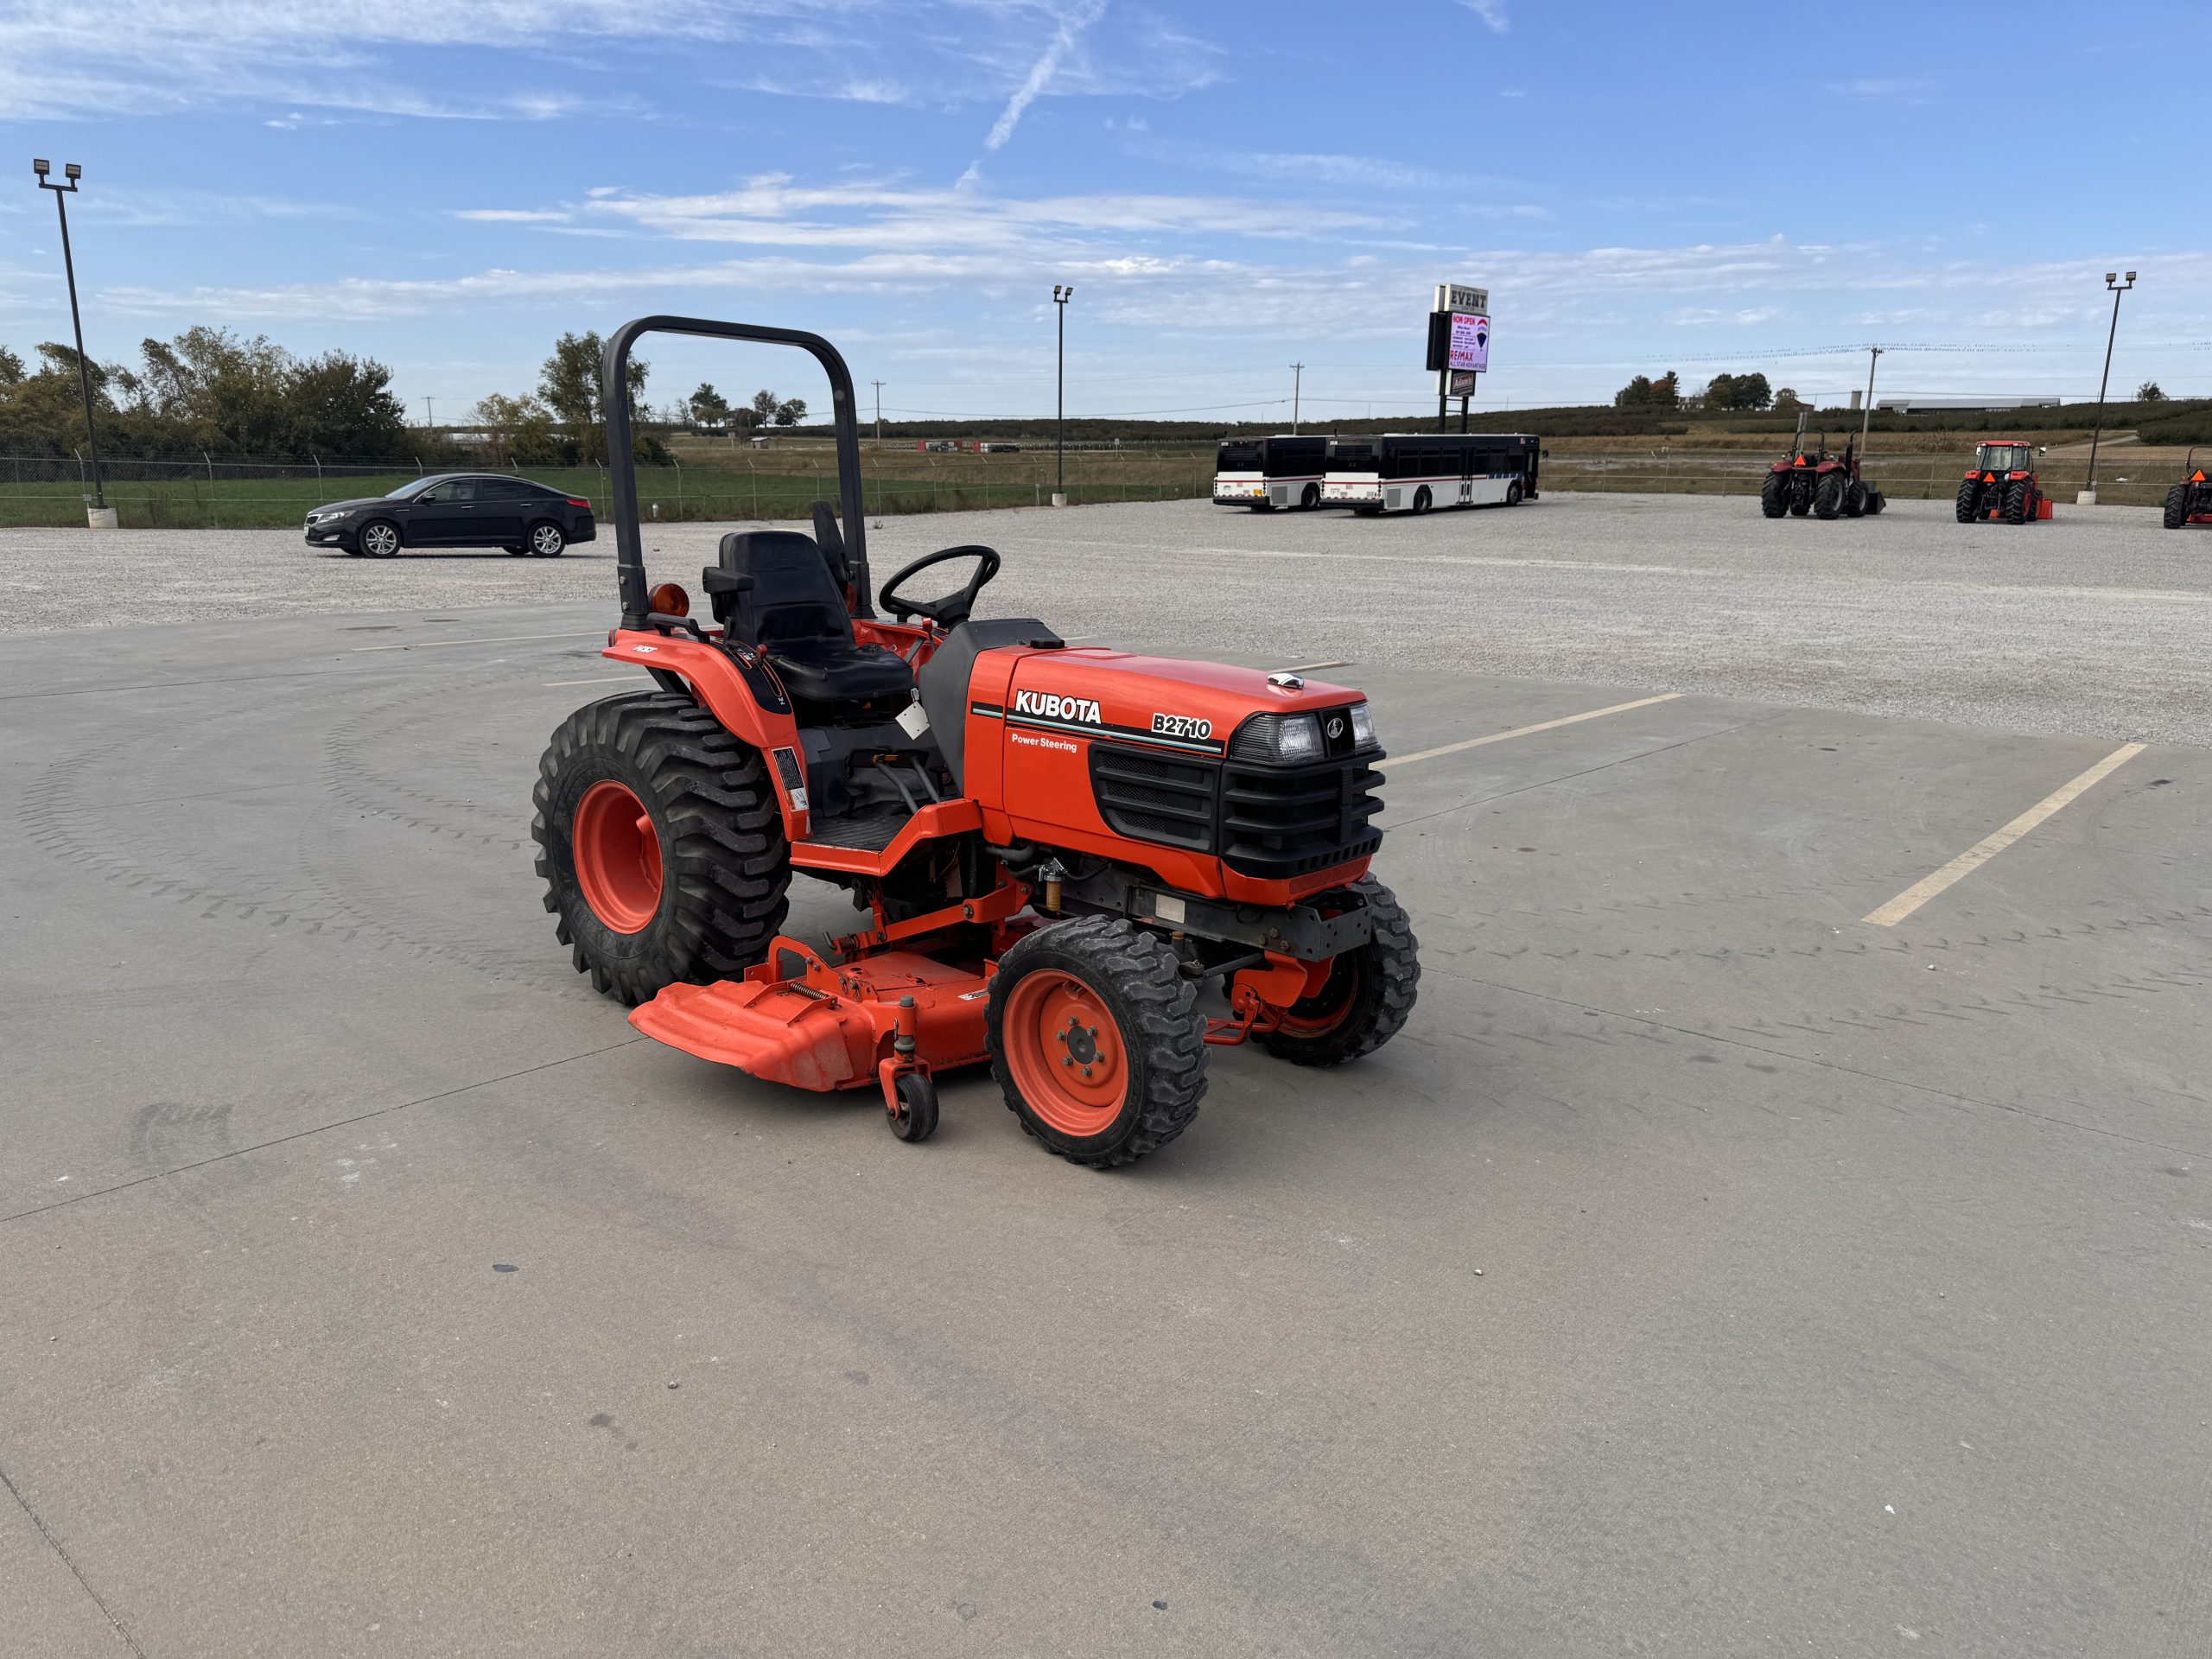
column 1153, row 797
column 1273, row 822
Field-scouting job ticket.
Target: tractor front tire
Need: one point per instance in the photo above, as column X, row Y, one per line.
column 1969, row 502
column 2017, row 506
column 1774, row 495
column 1854, row 501
column 1095, row 1040
column 1368, row 992
column 660, row 843
column 1827, row 496
column 2176, row 506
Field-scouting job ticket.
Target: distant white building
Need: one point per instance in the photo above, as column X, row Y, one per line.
column 1938, row 405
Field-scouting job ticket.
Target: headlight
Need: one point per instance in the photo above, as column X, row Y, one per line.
column 1362, row 727
column 1288, row 739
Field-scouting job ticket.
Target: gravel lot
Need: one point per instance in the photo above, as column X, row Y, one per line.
column 2097, row 623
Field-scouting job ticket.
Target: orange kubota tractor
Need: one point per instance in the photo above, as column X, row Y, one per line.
column 1062, row 855
column 2190, row 502
column 2003, row 483
column 1810, row 480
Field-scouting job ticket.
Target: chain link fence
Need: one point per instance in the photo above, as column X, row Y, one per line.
column 210, row 494
column 2128, row 475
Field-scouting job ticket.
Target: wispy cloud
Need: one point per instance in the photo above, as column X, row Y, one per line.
column 1491, row 12
column 1080, row 16
column 512, row 215
column 1910, row 89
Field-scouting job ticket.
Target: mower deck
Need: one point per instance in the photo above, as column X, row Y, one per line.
column 797, row 1019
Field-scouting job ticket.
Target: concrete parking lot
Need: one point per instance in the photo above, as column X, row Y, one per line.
column 1782, row 1226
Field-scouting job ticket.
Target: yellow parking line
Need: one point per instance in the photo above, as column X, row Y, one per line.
column 1986, row 849
column 1398, row 760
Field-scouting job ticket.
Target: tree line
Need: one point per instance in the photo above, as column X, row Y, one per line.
column 1748, row 392
column 217, row 393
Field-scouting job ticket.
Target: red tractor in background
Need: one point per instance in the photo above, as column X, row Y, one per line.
column 1815, row 481
column 1056, row 851
column 2003, row 483
column 2190, row 502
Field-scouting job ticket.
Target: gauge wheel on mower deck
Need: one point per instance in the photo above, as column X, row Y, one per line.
column 661, row 845
column 2176, row 506
column 1969, row 502
column 1095, row 1038
column 1827, row 496
column 2017, row 506
column 1367, row 996
column 1774, row 495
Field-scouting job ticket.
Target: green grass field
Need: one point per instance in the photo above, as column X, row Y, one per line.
column 784, row 482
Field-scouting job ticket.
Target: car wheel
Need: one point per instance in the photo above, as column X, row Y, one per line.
column 546, row 541
column 380, row 539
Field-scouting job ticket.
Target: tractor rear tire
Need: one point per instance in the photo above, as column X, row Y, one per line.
column 1969, row 502
column 1854, row 501
column 2176, row 506
column 703, row 899
column 2016, row 508
column 1127, row 1011
column 1827, row 496
column 1368, row 995
column 1774, row 495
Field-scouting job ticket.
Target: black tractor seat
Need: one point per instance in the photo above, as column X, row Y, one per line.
column 795, row 615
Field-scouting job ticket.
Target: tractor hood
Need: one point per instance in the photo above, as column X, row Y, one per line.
column 1163, row 701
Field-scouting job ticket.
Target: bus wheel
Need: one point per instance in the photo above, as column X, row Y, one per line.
column 1312, row 498
column 1513, row 493
column 1421, row 499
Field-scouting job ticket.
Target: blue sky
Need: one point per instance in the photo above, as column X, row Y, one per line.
column 1230, row 186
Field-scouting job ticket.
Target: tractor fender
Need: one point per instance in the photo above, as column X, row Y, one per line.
column 745, row 696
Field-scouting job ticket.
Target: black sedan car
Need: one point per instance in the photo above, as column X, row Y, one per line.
column 456, row 509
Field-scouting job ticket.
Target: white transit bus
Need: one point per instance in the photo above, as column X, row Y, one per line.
column 1412, row 472
column 1283, row 471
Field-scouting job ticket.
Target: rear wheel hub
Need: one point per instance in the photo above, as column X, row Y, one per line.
column 618, row 857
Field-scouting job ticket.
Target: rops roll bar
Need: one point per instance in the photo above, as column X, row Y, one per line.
column 621, row 462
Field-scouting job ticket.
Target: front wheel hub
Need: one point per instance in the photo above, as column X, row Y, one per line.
column 1066, row 1052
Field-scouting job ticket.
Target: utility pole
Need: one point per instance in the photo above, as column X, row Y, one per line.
column 1060, row 298
column 878, row 384
column 1867, row 418
column 429, row 415
column 72, row 173
column 2089, row 496
column 1298, row 381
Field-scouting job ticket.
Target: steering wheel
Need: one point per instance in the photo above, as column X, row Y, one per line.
column 952, row 610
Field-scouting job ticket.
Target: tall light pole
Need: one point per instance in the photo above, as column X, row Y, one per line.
column 878, row 384
column 72, row 173
column 1874, row 356
column 2118, row 288
column 1060, row 298
column 1297, row 383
